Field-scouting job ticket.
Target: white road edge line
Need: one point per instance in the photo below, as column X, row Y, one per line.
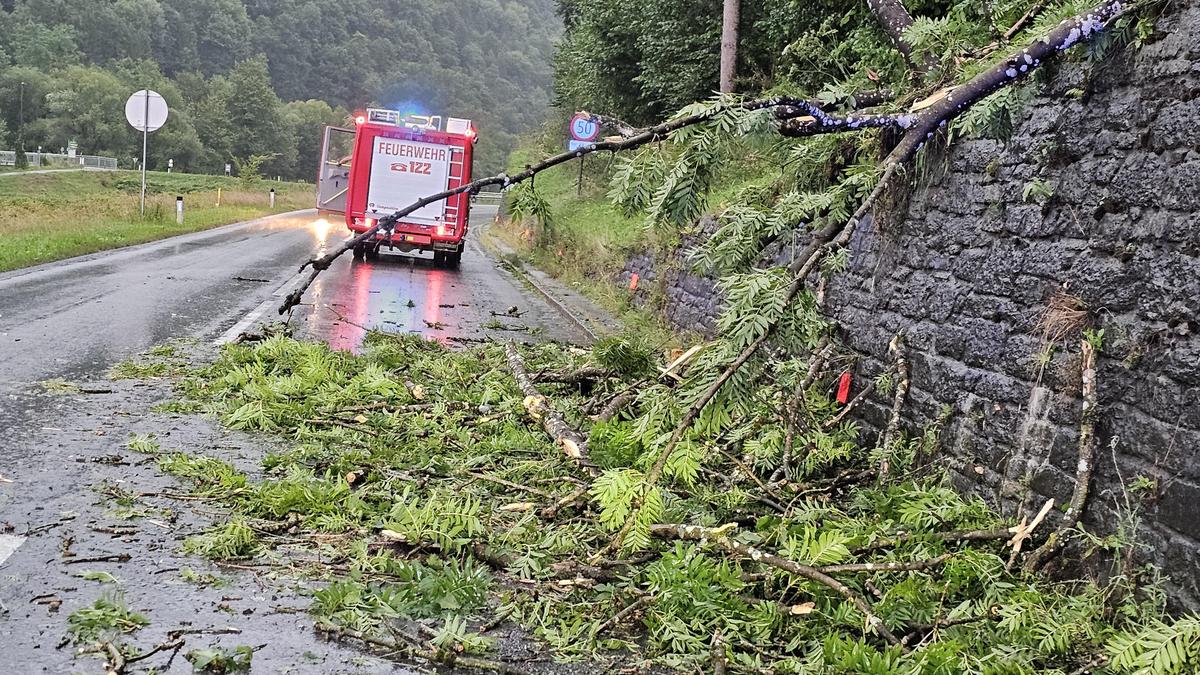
column 9, row 543
column 257, row 313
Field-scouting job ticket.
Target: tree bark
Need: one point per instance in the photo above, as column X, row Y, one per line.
column 894, row 18
column 566, row 438
column 729, row 44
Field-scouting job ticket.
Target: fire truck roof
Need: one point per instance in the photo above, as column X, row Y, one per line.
column 449, row 125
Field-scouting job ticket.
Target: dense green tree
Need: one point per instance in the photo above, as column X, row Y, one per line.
column 37, row 45
column 37, row 85
column 308, row 119
column 87, row 104
column 641, row 62
column 103, row 31
column 257, row 118
column 205, row 35
column 487, row 60
column 208, row 107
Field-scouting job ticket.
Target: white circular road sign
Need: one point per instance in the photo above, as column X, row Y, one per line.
column 146, row 110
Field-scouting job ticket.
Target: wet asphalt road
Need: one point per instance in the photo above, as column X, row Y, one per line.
column 75, row 319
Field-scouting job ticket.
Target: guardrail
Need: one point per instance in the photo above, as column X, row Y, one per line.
column 489, row 198
column 52, row 160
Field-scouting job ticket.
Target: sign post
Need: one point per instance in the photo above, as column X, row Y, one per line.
column 584, row 132
column 146, row 111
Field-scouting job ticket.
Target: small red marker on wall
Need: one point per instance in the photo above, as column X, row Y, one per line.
column 843, row 390
column 633, row 281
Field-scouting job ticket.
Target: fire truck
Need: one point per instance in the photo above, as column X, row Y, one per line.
column 388, row 162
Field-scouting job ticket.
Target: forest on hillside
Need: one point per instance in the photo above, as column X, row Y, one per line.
column 642, row 63
column 261, row 77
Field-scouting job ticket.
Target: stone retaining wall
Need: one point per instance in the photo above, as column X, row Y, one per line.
column 968, row 272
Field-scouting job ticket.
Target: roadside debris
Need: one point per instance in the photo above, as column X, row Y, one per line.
column 441, row 496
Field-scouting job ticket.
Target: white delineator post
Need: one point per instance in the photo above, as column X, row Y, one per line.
column 272, row 197
column 179, row 210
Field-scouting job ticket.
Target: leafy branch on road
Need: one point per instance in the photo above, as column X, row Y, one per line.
column 439, row 511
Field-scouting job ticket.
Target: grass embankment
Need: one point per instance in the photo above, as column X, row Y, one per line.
column 48, row 217
column 588, row 239
column 587, row 236
column 435, row 509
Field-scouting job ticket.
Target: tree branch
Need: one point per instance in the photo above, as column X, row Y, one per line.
column 1087, row 460
column 1014, row 68
column 721, row 538
column 966, row 535
column 1020, row 24
column 644, row 137
column 805, row 118
column 894, row 19
column 916, row 566
column 889, row 435
column 566, row 438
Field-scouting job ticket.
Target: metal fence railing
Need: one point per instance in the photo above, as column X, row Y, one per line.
column 51, row 160
column 489, row 198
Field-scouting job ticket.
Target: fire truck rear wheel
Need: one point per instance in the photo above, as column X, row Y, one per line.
column 454, row 259
column 360, row 252
column 372, row 253
column 439, row 259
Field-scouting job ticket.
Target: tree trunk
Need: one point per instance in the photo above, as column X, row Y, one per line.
column 729, row 44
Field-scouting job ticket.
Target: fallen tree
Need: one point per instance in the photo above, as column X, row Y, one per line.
column 457, row 524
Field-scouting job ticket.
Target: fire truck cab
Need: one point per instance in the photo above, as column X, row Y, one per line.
column 390, row 161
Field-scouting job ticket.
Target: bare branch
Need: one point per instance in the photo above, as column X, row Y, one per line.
column 915, row 566
column 1020, row 24
column 1087, row 461
column 566, row 438
column 967, row 535
column 894, row 18
column 889, row 435
column 624, row 129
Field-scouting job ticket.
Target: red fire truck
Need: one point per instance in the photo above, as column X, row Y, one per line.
column 388, row 162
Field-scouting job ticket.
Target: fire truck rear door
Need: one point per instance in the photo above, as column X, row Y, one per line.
column 333, row 180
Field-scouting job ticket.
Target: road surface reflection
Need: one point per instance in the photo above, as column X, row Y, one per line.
column 395, row 294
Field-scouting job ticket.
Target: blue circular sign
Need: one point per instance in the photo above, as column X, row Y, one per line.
column 584, row 128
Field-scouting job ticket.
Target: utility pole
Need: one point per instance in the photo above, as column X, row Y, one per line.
column 22, row 162
column 729, row 44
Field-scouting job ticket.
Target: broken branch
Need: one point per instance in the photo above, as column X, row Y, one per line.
column 566, row 438
column 889, row 435
column 1087, row 459
column 720, row 537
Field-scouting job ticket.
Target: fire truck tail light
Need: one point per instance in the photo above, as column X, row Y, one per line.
column 360, row 120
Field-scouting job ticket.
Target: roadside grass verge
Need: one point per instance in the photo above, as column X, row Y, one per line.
column 588, row 240
column 420, row 489
column 585, row 228
column 48, row 217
